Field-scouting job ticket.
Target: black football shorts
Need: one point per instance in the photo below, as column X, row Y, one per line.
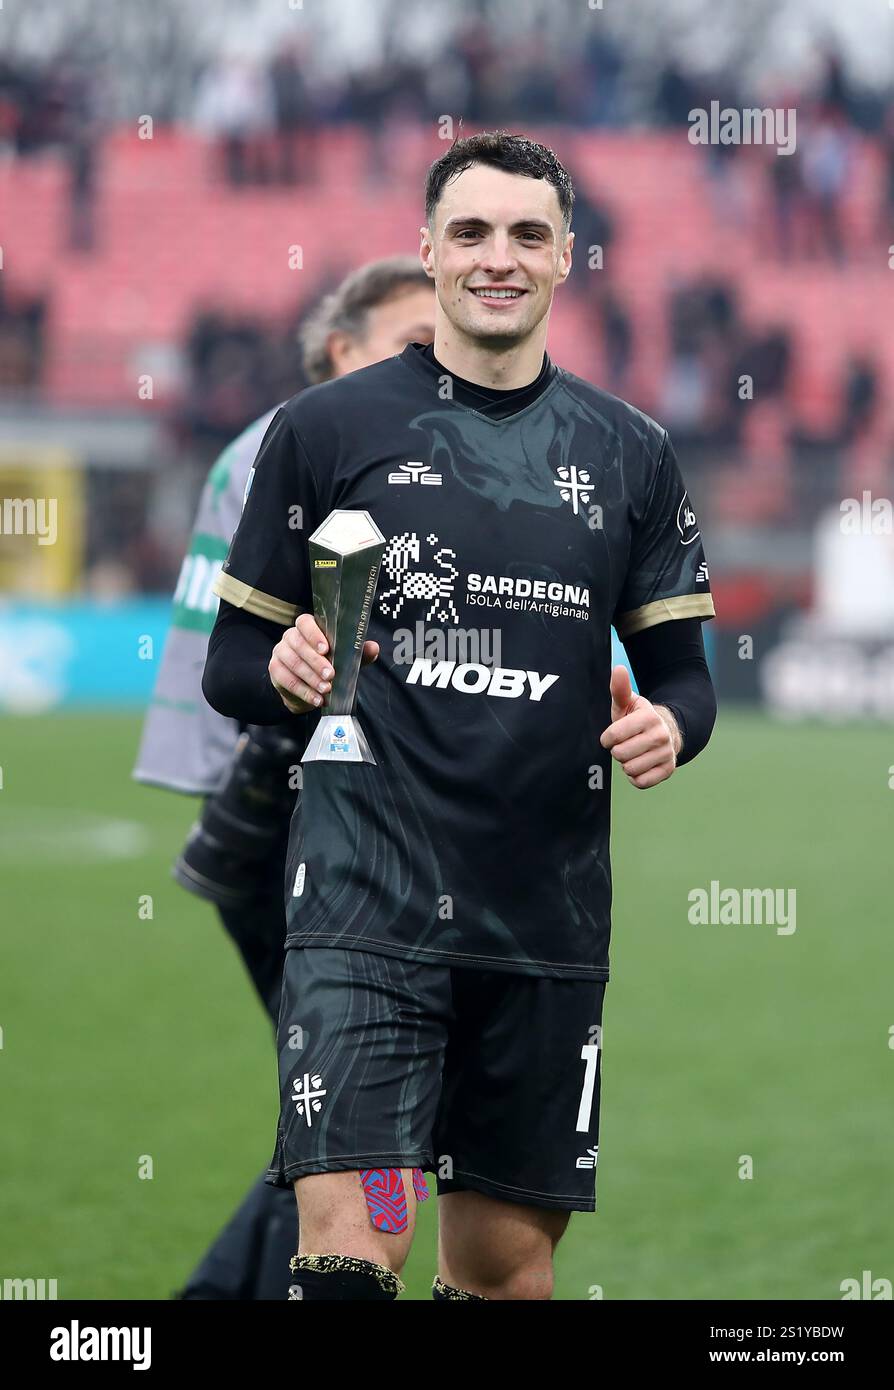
column 488, row 1079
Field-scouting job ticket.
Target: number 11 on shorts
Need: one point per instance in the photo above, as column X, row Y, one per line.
column 590, row 1054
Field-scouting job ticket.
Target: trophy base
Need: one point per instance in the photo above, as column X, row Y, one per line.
column 338, row 738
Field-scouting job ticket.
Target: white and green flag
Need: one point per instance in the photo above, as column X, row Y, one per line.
column 186, row 745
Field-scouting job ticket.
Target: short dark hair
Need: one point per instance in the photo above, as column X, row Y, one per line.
column 347, row 308
column 515, row 154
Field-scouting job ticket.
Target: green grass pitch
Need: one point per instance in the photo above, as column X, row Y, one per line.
column 124, row 1036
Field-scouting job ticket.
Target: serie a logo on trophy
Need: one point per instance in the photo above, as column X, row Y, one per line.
column 345, row 555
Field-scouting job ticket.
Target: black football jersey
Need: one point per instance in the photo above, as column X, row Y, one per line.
column 481, row 835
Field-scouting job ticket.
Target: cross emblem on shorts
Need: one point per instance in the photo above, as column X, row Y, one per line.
column 308, row 1095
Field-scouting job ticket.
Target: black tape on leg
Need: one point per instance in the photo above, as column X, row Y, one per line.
column 446, row 1293
column 341, row 1278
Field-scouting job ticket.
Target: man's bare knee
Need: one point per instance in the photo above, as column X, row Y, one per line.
column 334, row 1219
column 497, row 1249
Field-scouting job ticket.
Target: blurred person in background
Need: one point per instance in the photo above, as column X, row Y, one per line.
column 295, row 117
column 13, row 94
column 231, row 366
column 828, row 155
column 235, row 855
column 861, row 393
column 236, row 105
column 81, row 124
column 617, row 341
column 886, row 204
column 22, row 333
column 789, row 198
column 595, row 93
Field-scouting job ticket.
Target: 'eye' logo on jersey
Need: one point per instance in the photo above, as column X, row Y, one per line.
column 574, row 486
column 433, row 586
column 686, row 522
column 416, row 473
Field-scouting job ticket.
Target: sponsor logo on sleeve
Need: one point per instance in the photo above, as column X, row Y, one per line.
column 686, row 522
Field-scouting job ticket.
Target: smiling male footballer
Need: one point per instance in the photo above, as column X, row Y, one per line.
column 449, row 907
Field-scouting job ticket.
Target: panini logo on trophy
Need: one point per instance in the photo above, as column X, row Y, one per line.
column 345, row 552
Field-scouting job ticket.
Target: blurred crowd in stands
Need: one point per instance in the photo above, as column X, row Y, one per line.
column 265, row 113
column 59, row 105
column 265, row 120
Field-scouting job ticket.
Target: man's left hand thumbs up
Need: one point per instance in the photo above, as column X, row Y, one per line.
column 644, row 738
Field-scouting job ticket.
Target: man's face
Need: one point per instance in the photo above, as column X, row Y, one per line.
column 494, row 231
column 407, row 317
